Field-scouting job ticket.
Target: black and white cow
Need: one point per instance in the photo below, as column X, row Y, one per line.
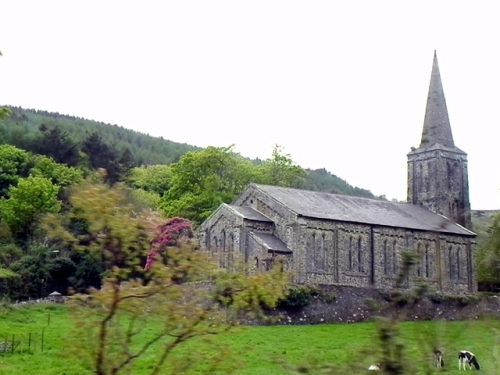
column 438, row 358
column 466, row 357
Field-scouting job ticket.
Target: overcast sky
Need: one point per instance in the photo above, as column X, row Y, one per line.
column 340, row 84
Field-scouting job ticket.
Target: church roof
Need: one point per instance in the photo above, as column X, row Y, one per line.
column 329, row 206
column 437, row 129
column 248, row 213
column 271, row 242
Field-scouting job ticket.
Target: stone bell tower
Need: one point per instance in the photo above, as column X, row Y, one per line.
column 437, row 169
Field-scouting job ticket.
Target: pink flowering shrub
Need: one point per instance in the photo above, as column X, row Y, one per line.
column 170, row 233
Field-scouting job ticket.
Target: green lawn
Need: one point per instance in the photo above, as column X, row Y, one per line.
column 255, row 350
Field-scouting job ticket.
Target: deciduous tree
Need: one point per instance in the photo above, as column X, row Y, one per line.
column 13, row 165
column 183, row 295
column 281, row 170
column 202, row 180
column 27, row 202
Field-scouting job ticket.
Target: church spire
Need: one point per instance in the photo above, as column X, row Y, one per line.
column 437, row 129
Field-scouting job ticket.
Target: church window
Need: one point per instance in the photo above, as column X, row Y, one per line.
column 427, row 261
column 350, row 253
column 428, row 177
column 215, row 244
column 230, row 249
column 386, row 258
column 420, row 178
column 360, row 257
column 207, row 239
column 313, row 250
column 394, row 258
column 450, row 172
column 324, row 252
column 451, row 263
column 458, row 262
column 222, row 255
column 256, row 263
column 319, row 252
column 419, row 263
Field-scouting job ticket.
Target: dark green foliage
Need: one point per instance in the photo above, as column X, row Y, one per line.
column 9, row 253
column 60, row 271
column 33, row 277
column 298, row 297
column 102, row 155
column 22, row 127
column 322, row 180
column 56, row 143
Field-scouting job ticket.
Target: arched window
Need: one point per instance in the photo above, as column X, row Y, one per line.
column 419, row 263
column 420, row 179
column 324, row 253
column 428, row 177
column 350, row 253
column 386, row 258
column 313, row 251
column 427, row 261
column 230, row 250
column 458, row 262
column 222, row 255
column 360, row 257
column 215, row 245
column 394, row 258
column 449, row 174
column 451, row 262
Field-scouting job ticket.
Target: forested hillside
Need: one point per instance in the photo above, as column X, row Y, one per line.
column 74, row 193
column 38, row 131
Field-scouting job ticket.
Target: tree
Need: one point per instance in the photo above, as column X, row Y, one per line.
column 152, row 178
column 488, row 256
column 57, row 144
column 280, row 170
column 13, row 165
column 28, row 201
column 182, row 294
column 202, row 180
column 59, row 174
column 102, row 155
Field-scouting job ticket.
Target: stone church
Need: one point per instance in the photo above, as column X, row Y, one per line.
column 331, row 239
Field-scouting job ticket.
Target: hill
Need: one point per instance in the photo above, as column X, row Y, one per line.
column 22, row 128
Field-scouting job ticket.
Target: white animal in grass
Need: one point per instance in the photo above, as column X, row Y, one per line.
column 466, row 357
column 374, row 367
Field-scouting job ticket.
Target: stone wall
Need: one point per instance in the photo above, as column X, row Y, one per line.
column 438, row 179
column 347, row 304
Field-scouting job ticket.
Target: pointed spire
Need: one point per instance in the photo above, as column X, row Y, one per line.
column 437, row 129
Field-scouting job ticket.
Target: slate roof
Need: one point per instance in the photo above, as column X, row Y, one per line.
column 248, row 213
column 328, row 206
column 271, row 242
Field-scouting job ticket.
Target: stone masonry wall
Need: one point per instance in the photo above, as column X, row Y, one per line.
column 438, row 179
column 346, row 304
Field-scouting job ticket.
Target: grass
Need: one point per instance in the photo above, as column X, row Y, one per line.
column 255, row 350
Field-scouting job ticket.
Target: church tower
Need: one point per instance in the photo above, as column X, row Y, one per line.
column 437, row 169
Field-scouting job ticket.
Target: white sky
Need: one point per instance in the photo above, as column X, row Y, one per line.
column 339, row 84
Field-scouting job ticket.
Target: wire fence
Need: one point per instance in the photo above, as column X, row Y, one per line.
column 31, row 342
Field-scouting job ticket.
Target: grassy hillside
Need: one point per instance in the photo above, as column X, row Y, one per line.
column 22, row 127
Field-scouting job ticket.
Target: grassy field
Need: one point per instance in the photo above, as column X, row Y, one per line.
column 255, row 350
